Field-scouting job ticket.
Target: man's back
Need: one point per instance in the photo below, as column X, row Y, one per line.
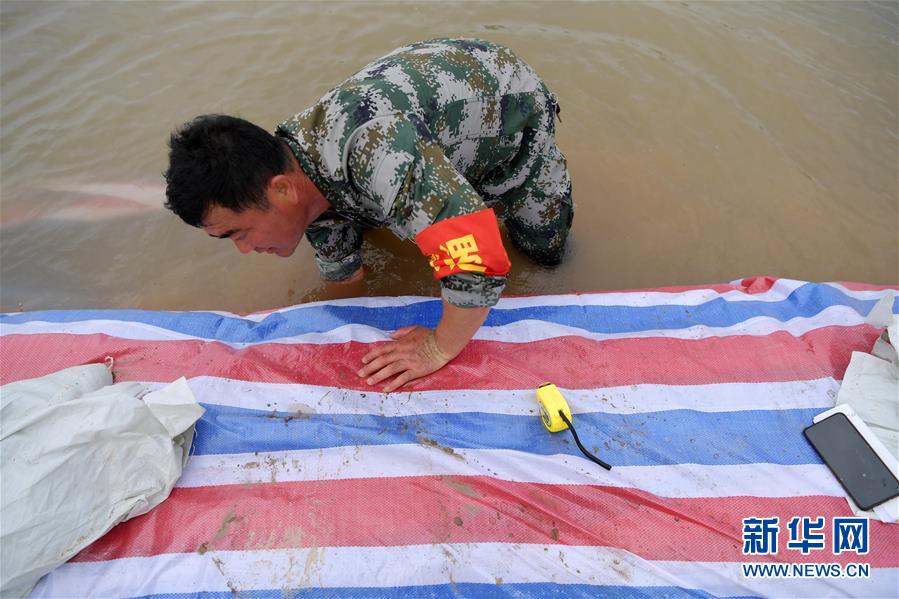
column 472, row 97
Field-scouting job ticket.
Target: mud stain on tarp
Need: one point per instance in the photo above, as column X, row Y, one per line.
column 459, row 486
column 220, row 566
column 435, row 444
column 448, row 554
column 297, row 412
column 302, row 411
column 272, row 464
column 312, row 564
column 226, row 522
column 293, row 536
column 621, row 569
column 295, row 581
column 288, row 589
column 262, row 542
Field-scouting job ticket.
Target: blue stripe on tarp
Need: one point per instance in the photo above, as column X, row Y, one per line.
column 644, row 439
column 538, row 590
column 806, row 301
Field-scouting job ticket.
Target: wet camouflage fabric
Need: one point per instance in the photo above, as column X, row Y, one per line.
column 433, row 130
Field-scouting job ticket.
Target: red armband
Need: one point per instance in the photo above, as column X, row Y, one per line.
column 467, row 243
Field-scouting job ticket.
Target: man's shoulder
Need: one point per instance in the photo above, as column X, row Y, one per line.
column 414, row 79
column 421, row 80
column 321, row 131
column 423, row 68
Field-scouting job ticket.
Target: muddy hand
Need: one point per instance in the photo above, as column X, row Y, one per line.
column 412, row 354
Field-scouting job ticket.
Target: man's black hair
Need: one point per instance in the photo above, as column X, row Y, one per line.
column 223, row 160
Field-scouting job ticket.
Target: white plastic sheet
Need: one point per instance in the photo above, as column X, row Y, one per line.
column 79, row 455
column 869, row 396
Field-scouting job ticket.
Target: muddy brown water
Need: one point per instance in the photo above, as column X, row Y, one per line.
column 707, row 141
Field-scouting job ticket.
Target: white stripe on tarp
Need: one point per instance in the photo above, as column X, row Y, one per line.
column 526, row 331
column 490, row 563
column 637, row 298
column 781, row 289
column 868, row 294
column 402, row 460
column 522, row 331
column 629, row 399
column 364, row 302
column 691, row 297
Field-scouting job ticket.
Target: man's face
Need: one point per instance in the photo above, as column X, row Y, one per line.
column 276, row 229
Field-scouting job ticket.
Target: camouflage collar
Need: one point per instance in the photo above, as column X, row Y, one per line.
column 334, row 196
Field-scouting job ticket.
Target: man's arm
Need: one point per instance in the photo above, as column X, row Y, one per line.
column 409, row 178
column 417, row 351
column 337, row 243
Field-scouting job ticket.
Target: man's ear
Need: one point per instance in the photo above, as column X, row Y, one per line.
column 280, row 187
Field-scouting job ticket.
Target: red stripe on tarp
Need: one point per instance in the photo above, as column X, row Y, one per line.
column 470, row 509
column 572, row 362
column 756, row 285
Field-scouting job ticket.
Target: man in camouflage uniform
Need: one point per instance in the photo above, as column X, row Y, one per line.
column 426, row 141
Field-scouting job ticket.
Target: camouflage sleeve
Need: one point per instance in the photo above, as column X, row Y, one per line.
column 338, row 246
column 394, row 163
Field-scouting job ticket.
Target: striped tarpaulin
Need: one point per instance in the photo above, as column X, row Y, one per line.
column 305, row 482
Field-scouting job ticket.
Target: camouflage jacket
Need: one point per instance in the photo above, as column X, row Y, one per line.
column 408, row 141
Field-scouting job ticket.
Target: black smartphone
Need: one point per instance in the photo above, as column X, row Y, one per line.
column 861, row 471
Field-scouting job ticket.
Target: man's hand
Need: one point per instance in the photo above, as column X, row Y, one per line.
column 417, row 351
column 414, row 353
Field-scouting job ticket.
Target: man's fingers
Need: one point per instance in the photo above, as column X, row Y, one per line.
column 387, row 371
column 377, row 364
column 402, row 332
column 381, row 350
column 400, row 380
column 378, row 351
